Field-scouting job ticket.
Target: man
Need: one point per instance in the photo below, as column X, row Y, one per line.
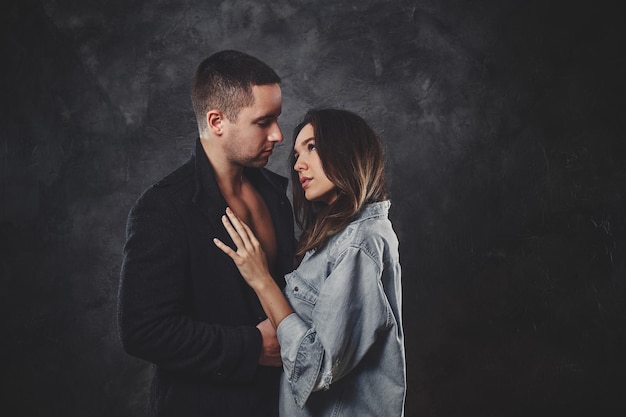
column 182, row 304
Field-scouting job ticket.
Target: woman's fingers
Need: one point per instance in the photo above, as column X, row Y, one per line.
column 250, row 234
column 240, row 232
column 225, row 248
column 234, row 255
column 239, row 226
column 234, row 234
column 246, row 234
column 248, row 255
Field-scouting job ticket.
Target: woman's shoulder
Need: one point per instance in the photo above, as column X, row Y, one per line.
column 370, row 229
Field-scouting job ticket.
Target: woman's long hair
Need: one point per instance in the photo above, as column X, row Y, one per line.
column 352, row 158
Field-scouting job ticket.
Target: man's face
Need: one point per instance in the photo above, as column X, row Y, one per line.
column 250, row 140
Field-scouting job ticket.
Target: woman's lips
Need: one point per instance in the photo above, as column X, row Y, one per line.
column 305, row 181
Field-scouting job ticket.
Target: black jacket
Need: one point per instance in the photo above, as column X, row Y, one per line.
column 183, row 304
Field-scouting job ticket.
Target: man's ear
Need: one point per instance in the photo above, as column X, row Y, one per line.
column 215, row 121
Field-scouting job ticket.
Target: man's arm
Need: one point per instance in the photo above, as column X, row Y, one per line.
column 270, row 353
column 154, row 306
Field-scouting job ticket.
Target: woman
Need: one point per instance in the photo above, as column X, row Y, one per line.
column 339, row 320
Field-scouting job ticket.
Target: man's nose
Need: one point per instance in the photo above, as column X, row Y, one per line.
column 276, row 135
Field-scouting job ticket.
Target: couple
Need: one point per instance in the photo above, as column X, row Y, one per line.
column 208, row 290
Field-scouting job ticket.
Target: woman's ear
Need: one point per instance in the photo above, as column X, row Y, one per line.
column 215, row 121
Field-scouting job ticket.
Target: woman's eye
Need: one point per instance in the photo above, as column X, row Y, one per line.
column 311, row 147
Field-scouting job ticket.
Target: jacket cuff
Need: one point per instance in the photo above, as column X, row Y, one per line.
column 302, row 356
column 241, row 356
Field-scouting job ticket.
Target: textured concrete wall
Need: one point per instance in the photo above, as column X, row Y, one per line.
column 504, row 127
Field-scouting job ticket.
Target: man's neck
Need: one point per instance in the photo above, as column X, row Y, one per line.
column 229, row 176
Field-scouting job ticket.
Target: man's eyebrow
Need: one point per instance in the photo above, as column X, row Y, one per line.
column 265, row 117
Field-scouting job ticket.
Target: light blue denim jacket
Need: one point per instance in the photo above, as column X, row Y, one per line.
column 343, row 348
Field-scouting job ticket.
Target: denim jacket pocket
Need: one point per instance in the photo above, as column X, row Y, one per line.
column 300, row 289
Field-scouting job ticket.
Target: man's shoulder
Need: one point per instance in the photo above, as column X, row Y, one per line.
column 181, row 180
column 180, row 176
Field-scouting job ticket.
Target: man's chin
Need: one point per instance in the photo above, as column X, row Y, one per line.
column 258, row 163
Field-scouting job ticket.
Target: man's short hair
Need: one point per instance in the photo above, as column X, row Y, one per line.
column 224, row 81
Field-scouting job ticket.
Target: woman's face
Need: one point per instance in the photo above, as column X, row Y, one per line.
column 313, row 180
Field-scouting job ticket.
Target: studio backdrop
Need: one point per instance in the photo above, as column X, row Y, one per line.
column 503, row 124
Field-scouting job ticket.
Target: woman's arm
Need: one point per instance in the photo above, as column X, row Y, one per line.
column 252, row 264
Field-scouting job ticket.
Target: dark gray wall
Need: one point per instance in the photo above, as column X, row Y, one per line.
column 504, row 125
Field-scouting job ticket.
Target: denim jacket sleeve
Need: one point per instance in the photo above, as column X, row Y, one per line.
column 350, row 309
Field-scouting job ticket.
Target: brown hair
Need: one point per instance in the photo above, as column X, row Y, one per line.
column 352, row 158
column 224, row 81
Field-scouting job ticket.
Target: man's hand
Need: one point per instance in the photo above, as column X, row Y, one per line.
column 270, row 354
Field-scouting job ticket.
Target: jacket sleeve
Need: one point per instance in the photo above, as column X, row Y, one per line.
column 351, row 309
column 153, row 316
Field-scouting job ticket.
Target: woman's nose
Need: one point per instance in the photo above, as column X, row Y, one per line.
column 299, row 164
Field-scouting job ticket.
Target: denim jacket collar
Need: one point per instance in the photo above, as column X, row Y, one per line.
column 377, row 209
